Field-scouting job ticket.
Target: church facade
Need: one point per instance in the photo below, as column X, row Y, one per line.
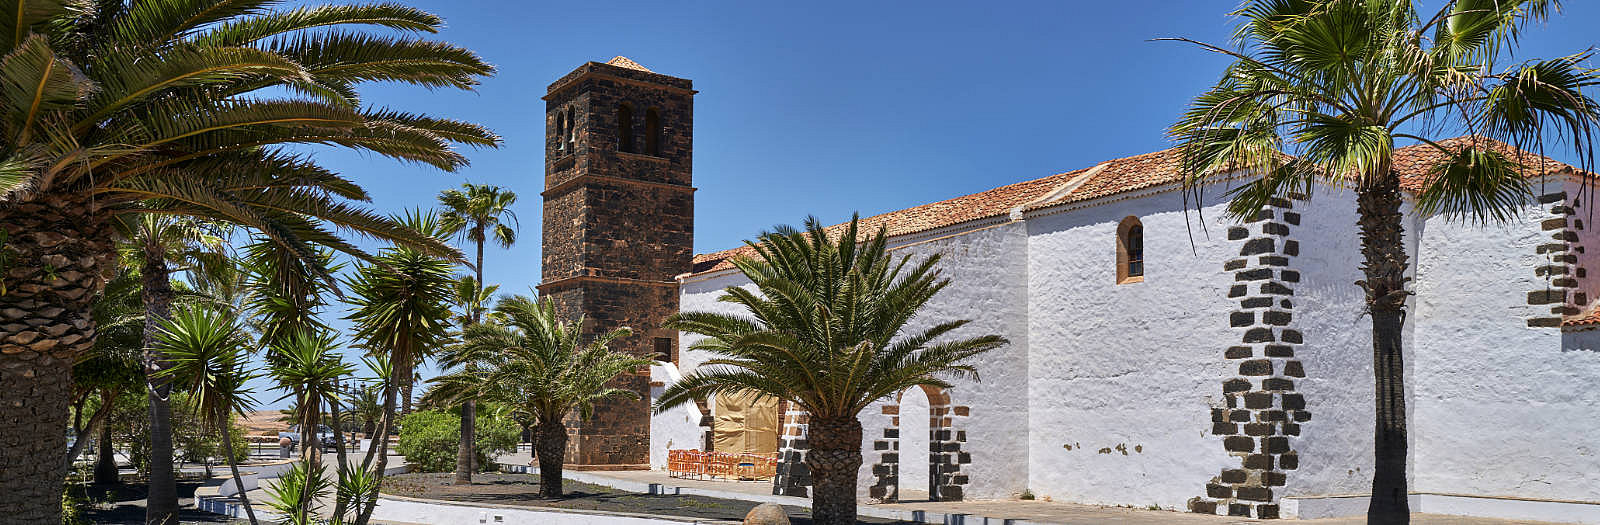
column 1160, row 353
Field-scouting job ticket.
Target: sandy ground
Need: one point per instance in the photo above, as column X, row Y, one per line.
column 263, row 423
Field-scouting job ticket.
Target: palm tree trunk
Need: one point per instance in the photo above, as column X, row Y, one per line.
column 313, row 446
column 834, row 459
column 465, row 451
column 552, row 445
column 52, row 261
column 533, row 441
column 405, row 395
column 82, row 435
column 1382, row 245
column 380, row 445
column 162, row 504
column 339, row 503
column 227, row 440
column 105, row 466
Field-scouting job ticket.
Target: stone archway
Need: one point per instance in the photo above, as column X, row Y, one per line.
column 947, row 436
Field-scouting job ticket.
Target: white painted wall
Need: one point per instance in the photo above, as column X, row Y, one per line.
column 1502, row 409
column 675, row 428
column 1125, row 374
column 1335, row 446
column 986, row 268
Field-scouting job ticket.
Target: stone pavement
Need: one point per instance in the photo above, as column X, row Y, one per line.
column 1032, row 511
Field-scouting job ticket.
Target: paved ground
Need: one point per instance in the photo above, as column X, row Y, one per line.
column 523, row 490
column 124, row 504
column 1041, row 511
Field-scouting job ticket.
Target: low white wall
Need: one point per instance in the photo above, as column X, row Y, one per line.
column 433, row 512
column 675, row 428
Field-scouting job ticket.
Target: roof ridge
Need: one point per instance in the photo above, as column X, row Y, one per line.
column 622, row 61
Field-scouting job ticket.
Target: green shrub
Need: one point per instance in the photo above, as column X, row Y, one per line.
column 428, row 440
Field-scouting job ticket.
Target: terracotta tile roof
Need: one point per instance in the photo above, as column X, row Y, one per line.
column 1413, row 162
column 1124, row 175
column 1115, row 176
column 1106, row 179
column 995, row 202
column 1589, row 319
column 622, row 61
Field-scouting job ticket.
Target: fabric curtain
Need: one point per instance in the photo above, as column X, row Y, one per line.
column 745, row 423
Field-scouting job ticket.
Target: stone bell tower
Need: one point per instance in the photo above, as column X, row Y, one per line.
column 618, row 228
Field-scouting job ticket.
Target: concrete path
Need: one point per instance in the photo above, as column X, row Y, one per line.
column 934, row 511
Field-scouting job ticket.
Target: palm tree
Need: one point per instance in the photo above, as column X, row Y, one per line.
column 401, row 312
column 285, row 292
column 1334, row 83
column 531, row 360
column 182, row 107
column 365, row 406
column 207, row 352
column 113, row 368
column 156, row 243
column 308, row 367
column 824, row 332
column 476, row 212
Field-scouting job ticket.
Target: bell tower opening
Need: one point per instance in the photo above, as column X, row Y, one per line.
column 618, row 229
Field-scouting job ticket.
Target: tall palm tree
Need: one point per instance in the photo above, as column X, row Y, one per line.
column 401, row 312
column 182, row 107
column 207, row 352
column 476, row 213
column 534, row 362
column 157, row 243
column 1334, row 84
column 824, row 331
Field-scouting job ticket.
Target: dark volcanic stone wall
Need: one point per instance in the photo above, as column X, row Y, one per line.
column 618, row 228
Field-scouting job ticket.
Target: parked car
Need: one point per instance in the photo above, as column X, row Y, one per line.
column 325, row 437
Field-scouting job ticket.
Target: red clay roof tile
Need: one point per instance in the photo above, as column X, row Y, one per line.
column 1106, row 179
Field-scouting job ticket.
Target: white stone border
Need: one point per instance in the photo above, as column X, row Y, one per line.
column 1587, row 513
column 441, row 512
column 218, row 498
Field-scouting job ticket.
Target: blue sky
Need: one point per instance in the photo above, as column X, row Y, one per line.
column 828, row 108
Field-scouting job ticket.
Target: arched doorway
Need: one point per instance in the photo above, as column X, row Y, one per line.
column 921, row 456
column 915, row 445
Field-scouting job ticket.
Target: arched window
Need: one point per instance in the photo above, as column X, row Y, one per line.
column 1130, row 251
column 652, row 132
column 561, row 130
column 572, row 132
column 625, row 128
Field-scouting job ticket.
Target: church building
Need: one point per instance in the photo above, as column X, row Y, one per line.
column 1160, row 353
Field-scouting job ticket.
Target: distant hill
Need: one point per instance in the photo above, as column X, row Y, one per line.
column 264, row 423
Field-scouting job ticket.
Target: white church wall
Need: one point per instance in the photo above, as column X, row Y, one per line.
column 987, row 269
column 1335, row 446
column 700, row 295
column 680, row 427
column 1502, row 408
column 676, row 428
column 1123, row 376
